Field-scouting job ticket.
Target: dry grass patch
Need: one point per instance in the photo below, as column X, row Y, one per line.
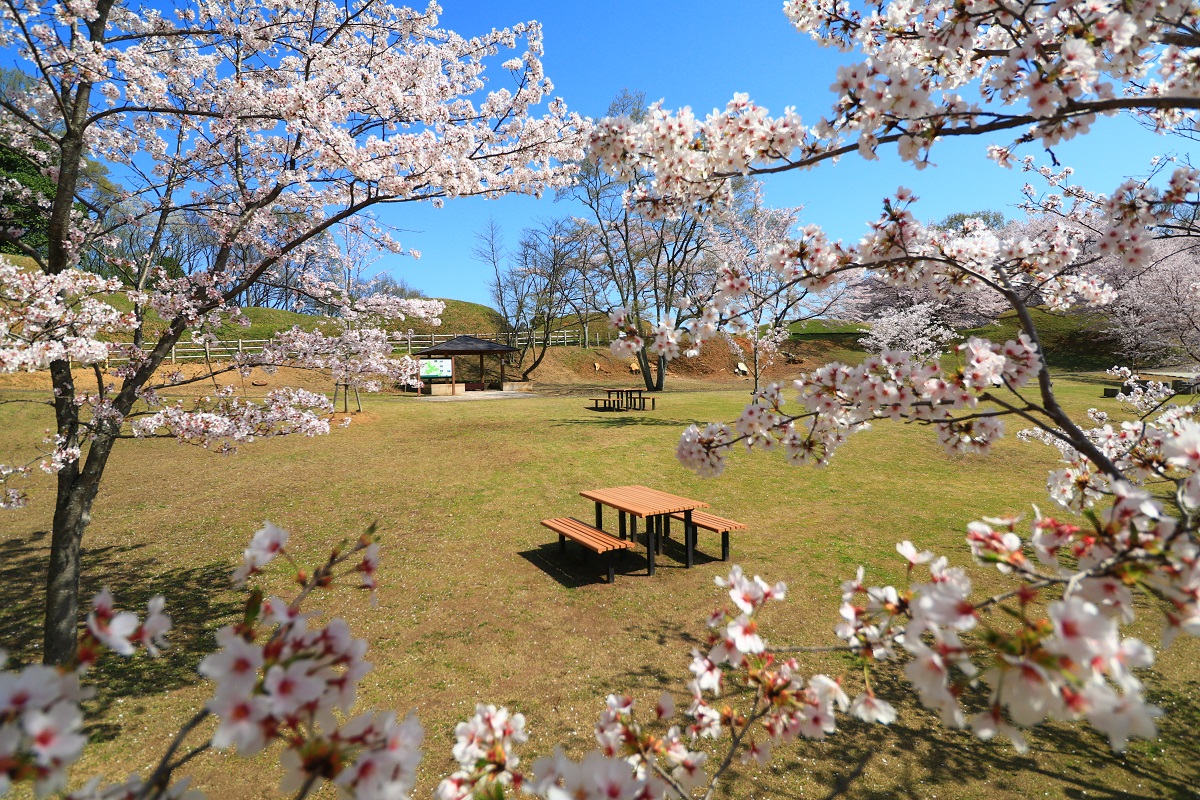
column 477, row 604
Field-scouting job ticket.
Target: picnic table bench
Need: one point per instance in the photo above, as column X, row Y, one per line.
column 710, row 522
column 589, row 538
column 606, row 403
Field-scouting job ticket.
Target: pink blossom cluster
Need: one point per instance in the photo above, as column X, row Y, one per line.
column 838, row 399
column 484, row 750
column 1147, row 449
column 628, row 342
column 1071, row 663
column 357, row 357
column 1046, row 69
column 41, row 722
column 41, row 727
column 364, row 307
column 63, row 317
column 225, row 420
column 10, row 496
column 784, row 707
column 279, row 677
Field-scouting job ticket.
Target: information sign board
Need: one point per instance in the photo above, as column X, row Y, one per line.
column 436, row 368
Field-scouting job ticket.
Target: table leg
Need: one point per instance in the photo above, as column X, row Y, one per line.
column 633, row 528
column 650, row 546
column 599, row 516
column 689, row 535
column 658, row 529
column 621, row 514
column 724, row 545
column 667, row 525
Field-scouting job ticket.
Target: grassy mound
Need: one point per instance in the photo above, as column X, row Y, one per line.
column 461, row 317
column 1070, row 342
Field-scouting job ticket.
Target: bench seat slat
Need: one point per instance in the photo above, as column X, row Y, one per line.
column 711, row 522
column 593, row 539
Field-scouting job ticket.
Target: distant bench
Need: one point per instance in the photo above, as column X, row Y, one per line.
column 589, row 538
column 711, row 522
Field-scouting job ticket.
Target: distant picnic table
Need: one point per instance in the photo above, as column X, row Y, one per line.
column 622, row 400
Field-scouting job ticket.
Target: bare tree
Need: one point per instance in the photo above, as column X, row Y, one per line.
column 649, row 265
column 533, row 286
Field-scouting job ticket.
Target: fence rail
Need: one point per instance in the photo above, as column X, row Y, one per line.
column 225, row 350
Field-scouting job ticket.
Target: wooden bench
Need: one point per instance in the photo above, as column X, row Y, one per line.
column 606, row 403
column 711, row 522
column 588, row 537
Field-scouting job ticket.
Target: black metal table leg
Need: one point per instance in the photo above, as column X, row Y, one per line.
column 724, row 545
column 599, row 515
column 621, row 514
column 650, row 547
column 689, row 535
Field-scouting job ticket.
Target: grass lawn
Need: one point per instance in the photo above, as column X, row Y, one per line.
column 477, row 605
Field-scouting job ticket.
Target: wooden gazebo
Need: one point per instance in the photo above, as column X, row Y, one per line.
column 467, row 346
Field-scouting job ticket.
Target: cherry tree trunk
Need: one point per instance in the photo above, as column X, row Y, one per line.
column 77, row 488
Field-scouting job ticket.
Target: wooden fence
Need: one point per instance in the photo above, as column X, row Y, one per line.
column 225, row 350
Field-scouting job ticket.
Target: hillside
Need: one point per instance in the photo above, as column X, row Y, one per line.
column 1070, row 342
column 462, row 317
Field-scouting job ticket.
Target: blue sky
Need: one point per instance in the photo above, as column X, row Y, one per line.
column 699, row 54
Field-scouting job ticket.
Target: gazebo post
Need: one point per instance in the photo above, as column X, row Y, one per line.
column 481, row 378
column 501, row 372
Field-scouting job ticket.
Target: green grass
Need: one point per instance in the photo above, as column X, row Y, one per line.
column 477, row 605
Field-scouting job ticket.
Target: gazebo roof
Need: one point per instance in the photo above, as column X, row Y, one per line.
column 465, row 346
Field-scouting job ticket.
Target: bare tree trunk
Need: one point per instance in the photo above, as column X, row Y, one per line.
column 541, row 353
column 644, row 365
column 661, row 377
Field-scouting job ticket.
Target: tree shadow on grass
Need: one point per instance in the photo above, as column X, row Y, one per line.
column 199, row 601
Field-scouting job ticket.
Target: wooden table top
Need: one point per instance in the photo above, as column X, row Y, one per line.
column 642, row 501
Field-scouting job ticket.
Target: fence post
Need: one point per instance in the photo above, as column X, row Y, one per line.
column 239, row 346
column 172, row 354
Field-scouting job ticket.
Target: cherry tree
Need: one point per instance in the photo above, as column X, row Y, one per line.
column 268, row 124
column 925, row 73
column 740, row 238
column 914, row 330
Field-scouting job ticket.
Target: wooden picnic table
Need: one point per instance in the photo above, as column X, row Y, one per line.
column 653, row 506
column 629, row 399
column 624, row 396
